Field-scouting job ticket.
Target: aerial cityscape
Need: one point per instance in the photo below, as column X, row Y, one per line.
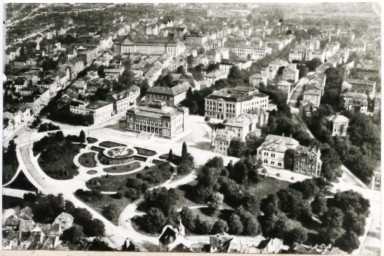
column 192, row 127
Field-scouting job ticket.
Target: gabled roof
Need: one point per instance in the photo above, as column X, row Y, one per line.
column 338, row 119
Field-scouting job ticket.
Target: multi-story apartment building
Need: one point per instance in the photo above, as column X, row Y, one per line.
column 152, row 46
column 238, row 128
column 256, row 79
column 306, row 160
column 113, row 73
column 272, row 150
column 232, row 102
column 355, row 101
column 313, row 96
column 157, row 118
column 124, row 100
column 99, row 110
column 338, row 124
column 251, row 52
column 172, row 96
column 291, row 74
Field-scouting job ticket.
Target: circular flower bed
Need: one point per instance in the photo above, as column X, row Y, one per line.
column 118, row 152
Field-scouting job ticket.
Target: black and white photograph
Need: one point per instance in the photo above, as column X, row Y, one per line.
column 190, row 127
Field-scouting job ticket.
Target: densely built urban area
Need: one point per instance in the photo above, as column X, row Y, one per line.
column 221, row 127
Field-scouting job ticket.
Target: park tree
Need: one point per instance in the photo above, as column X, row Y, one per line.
column 154, row 220
column 73, row 235
column 270, row 205
column 187, row 163
column 354, row 222
column 110, row 212
column 288, row 159
column 333, row 217
column 188, row 218
column 313, row 64
column 236, row 148
column 307, row 187
column 99, row 245
column 319, row 205
column 250, row 203
column 291, row 202
column 95, row 227
column 251, row 226
column 348, row 242
column 82, row 136
column 351, row 200
column 219, row 227
column 202, row 227
column 235, row 225
column 329, row 235
column 215, row 203
column 296, row 235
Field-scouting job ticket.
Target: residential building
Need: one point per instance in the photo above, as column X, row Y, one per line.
column 172, row 96
column 113, row 73
column 152, row 46
column 231, row 102
column 272, row 150
column 284, row 86
column 256, row 79
column 338, row 124
column 251, row 52
column 376, row 180
column 124, row 100
column 360, row 86
column 216, row 75
column 157, row 118
column 99, row 110
column 306, row 160
column 290, row 74
column 355, row 101
column 312, row 95
column 239, row 128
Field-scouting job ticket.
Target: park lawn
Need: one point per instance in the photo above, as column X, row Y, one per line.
column 60, row 166
column 110, row 144
column 88, row 159
column 154, row 175
column 105, row 200
column 145, row 152
column 123, row 168
column 267, row 186
column 98, row 149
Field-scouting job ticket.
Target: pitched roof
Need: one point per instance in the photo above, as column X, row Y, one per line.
column 338, row 118
column 173, row 91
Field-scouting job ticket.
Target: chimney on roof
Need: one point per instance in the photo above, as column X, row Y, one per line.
column 290, row 135
column 283, row 134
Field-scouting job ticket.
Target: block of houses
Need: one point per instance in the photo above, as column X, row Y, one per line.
column 306, row 160
column 124, row 100
column 338, row 124
column 172, row 96
column 216, row 75
column 272, row 150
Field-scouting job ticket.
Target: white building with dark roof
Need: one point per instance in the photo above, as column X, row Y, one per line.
column 172, row 96
column 338, row 125
column 231, row 102
column 272, row 150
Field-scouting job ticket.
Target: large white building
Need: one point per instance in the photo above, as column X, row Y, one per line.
column 231, row 102
column 272, row 150
column 251, row 52
column 239, row 128
column 152, row 46
column 99, row 110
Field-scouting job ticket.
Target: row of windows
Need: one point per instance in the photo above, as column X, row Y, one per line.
column 273, row 163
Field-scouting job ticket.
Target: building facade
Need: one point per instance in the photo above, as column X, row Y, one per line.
column 338, row 125
column 157, row 118
column 172, row 96
column 306, row 160
column 231, row 102
column 272, row 151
